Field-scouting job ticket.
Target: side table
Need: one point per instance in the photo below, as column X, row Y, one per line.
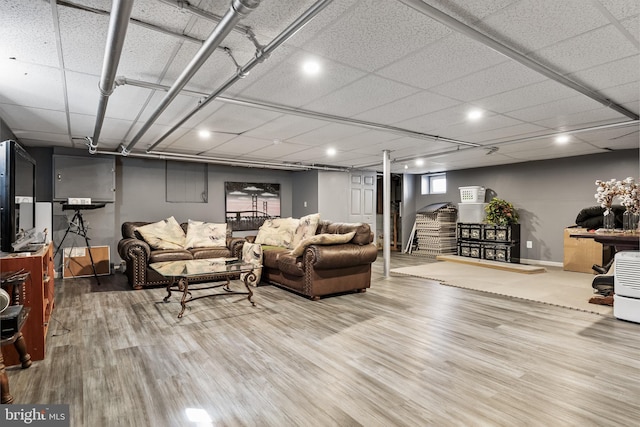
column 17, row 339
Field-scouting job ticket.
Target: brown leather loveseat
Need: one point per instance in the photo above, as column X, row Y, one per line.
column 137, row 254
column 323, row 269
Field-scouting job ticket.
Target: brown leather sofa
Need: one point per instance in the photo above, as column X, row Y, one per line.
column 323, row 269
column 138, row 255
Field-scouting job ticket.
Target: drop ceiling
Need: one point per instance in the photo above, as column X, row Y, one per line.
column 392, row 78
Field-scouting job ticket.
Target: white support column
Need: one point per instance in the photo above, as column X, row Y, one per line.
column 386, row 212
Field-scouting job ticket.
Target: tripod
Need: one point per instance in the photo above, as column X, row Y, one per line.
column 81, row 230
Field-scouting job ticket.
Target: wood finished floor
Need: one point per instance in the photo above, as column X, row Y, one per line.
column 408, row 352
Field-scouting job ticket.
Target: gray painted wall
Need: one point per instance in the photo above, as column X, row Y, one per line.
column 548, row 194
column 305, row 189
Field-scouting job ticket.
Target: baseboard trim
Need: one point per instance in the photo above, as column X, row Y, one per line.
column 540, row 262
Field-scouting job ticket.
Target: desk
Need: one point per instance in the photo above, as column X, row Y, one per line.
column 618, row 240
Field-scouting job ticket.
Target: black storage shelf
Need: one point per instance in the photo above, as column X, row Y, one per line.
column 490, row 242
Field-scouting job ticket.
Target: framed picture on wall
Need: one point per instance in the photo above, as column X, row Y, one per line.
column 249, row 204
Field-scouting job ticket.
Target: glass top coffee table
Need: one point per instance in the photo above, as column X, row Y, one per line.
column 181, row 272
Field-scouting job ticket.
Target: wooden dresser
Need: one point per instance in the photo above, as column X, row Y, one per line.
column 39, row 296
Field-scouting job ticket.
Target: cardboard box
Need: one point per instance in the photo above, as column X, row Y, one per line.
column 581, row 254
column 77, row 262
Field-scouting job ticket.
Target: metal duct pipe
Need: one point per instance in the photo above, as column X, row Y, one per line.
column 120, row 13
column 301, row 112
column 185, row 5
column 238, row 9
column 226, row 162
column 456, row 25
column 261, row 55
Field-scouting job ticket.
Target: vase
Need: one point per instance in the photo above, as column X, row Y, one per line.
column 629, row 220
column 608, row 220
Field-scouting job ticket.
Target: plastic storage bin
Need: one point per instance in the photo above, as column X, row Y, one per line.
column 473, row 194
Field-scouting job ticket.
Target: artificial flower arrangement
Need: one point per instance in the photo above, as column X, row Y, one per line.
column 501, row 212
column 628, row 191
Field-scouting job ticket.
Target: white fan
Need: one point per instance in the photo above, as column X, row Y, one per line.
column 4, row 300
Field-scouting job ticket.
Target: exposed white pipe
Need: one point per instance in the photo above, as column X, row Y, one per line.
column 196, row 158
column 301, row 112
column 120, row 13
column 510, row 53
column 237, row 10
column 260, row 56
column 386, row 212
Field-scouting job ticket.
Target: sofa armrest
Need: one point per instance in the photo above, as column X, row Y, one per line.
column 235, row 246
column 324, row 257
column 129, row 249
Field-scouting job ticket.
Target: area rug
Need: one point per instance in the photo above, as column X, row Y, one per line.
column 555, row 286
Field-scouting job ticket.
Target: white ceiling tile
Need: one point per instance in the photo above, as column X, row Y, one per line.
column 235, row 119
column 30, row 85
column 238, row 146
column 614, row 138
column 587, row 50
column 412, row 106
column 274, row 151
column 287, row 84
column 556, row 108
column 621, row 8
column 20, row 118
column 624, row 94
column 470, row 11
column 190, row 142
column 27, row 32
column 507, row 133
column 469, row 127
column 364, row 140
column 532, row 24
column 362, row 95
column 329, row 14
column 632, row 25
column 526, row 96
column 538, row 150
column 582, row 119
column 327, row 134
column 447, row 59
column 43, row 139
column 500, row 78
column 285, row 127
column 176, row 110
column 437, row 120
column 376, row 33
column 615, row 73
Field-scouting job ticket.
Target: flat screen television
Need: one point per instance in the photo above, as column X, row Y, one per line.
column 17, row 197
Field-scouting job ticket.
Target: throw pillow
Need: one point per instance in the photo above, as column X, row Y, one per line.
column 165, row 234
column 306, row 228
column 322, row 239
column 277, row 232
column 252, row 253
column 205, row 235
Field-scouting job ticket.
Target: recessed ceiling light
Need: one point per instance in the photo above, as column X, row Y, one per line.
column 406, row 166
column 204, row 133
column 331, row 151
column 277, row 141
column 311, row 67
column 419, row 162
column 562, row 139
column 474, row 115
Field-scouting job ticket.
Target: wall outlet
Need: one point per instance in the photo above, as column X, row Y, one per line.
column 529, row 244
column 304, row 204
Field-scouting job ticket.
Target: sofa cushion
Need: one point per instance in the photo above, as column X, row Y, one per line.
column 307, row 228
column 288, row 264
column 252, row 253
column 363, row 230
column 270, row 255
column 169, row 255
column 277, row 232
column 322, row 239
column 205, row 235
column 206, row 253
column 165, row 234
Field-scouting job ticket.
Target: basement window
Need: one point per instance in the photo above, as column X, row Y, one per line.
column 434, row 183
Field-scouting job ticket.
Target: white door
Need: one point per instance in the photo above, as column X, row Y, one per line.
column 362, row 206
